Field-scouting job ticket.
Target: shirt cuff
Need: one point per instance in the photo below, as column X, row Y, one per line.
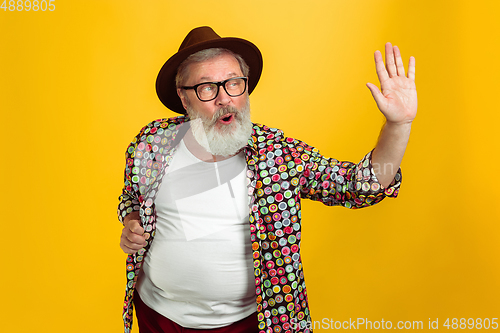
column 367, row 183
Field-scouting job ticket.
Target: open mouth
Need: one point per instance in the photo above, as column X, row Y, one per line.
column 227, row 118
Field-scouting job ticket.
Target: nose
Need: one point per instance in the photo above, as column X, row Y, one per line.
column 223, row 98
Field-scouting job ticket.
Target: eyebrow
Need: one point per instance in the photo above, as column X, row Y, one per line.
column 208, row 78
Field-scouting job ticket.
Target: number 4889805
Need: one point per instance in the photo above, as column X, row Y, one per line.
column 28, row 5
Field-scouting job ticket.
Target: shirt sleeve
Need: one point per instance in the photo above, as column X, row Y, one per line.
column 335, row 182
column 130, row 199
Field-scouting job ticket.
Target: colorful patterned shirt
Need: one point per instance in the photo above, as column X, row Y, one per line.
column 280, row 172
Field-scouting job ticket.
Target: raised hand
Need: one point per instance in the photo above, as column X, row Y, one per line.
column 397, row 98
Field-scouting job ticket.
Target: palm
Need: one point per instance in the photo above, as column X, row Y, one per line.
column 397, row 99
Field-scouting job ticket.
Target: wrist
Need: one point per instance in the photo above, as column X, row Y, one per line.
column 405, row 123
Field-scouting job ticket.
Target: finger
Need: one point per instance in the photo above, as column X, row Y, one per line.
column 389, row 60
column 135, row 227
column 132, row 246
column 399, row 61
column 127, row 250
column 132, row 241
column 377, row 95
column 411, row 68
column 134, row 233
column 135, row 239
column 130, row 249
column 379, row 66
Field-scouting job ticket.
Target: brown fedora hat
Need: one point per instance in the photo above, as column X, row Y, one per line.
column 198, row 39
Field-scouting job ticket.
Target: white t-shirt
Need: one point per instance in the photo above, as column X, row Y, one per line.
column 199, row 270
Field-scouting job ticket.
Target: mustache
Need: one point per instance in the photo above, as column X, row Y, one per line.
column 223, row 111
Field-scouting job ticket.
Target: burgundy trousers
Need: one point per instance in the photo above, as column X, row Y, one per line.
column 151, row 321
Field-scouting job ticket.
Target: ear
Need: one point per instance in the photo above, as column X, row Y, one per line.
column 183, row 98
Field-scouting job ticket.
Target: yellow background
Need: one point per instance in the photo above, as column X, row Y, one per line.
column 76, row 85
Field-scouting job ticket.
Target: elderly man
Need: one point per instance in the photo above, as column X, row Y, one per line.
column 211, row 202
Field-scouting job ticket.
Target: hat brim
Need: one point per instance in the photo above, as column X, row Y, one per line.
column 165, row 82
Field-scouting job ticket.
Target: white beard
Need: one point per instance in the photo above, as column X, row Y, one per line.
column 223, row 140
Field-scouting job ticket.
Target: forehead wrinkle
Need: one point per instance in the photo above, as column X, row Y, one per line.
column 228, row 76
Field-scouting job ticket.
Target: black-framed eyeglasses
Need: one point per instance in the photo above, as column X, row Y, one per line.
column 208, row 91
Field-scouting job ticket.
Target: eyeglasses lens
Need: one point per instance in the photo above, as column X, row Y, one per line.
column 234, row 87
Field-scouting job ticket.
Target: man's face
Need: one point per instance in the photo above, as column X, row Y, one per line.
column 217, row 69
column 224, row 123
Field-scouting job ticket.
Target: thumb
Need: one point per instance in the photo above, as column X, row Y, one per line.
column 377, row 95
column 135, row 227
